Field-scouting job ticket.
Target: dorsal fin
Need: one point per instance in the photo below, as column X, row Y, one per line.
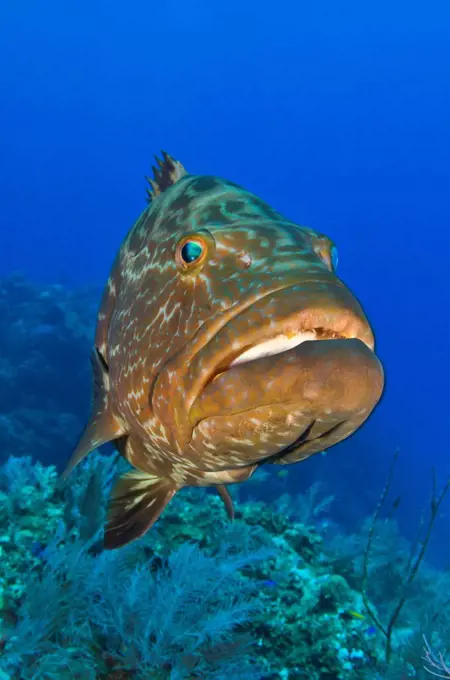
column 168, row 172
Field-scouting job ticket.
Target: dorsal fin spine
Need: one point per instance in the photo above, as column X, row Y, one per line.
column 166, row 174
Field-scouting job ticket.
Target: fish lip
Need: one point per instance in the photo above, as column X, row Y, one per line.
column 359, row 328
column 229, row 363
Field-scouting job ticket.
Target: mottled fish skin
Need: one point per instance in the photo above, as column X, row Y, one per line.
column 168, row 331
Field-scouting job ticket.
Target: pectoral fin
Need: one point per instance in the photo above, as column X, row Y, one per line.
column 137, row 500
column 103, row 425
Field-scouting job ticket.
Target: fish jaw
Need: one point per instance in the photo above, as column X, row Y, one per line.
column 283, row 408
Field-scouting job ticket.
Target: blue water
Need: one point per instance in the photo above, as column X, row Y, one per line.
column 336, row 113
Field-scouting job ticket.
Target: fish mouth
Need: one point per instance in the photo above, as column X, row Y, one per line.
column 268, row 368
column 341, row 318
column 298, row 364
column 280, row 343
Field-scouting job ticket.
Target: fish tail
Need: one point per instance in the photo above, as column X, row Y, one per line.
column 137, row 500
column 103, row 425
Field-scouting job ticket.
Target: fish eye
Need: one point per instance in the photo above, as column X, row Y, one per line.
column 334, row 257
column 191, row 251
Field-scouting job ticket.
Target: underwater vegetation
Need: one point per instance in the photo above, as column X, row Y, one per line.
column 266, row 596
column 281, row 592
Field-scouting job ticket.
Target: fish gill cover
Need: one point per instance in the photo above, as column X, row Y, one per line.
column 331, row 116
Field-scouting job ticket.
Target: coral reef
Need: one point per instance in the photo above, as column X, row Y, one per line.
column 197, row 597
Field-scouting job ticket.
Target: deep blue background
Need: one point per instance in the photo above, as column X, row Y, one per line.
column 336, row 113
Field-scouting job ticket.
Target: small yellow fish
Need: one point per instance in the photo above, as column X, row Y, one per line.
column 356, row 615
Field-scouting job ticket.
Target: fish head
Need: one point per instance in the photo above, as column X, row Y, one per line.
column 264, row 353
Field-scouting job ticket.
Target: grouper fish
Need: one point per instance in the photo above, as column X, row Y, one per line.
column 224, row 341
